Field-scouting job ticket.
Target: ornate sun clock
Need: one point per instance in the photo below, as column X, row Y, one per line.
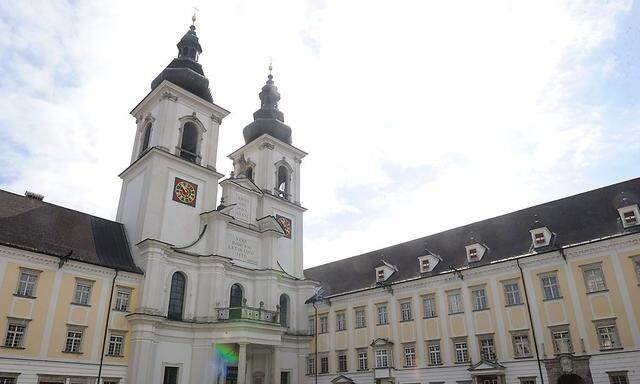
column 285, row 223
column 185, row 192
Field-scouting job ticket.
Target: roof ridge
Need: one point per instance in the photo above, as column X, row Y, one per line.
column 59, row 206
column 475, row 223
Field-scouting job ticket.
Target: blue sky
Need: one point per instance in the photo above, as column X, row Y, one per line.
column 418, row 116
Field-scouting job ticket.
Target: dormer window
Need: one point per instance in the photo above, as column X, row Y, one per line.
column 540, row 237
column 629, row 215
column 428, row 262
column 380, row 276
column 475, row 252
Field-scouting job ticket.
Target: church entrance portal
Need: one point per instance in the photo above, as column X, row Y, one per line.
column 570, row 378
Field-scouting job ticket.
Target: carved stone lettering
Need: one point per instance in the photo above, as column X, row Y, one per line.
column 242, row 247
column 242, row 209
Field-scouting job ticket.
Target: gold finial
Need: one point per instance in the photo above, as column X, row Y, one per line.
column 270, row 65
column 193, row 18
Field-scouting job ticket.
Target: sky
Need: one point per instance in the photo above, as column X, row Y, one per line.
column 418, row 116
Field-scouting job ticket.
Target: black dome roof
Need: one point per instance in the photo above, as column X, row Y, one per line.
column 185, row 71
column 268, row 119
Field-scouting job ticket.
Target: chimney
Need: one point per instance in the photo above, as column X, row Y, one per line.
column 33, row 195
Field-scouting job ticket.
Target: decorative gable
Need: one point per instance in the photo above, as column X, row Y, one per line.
column 475, row 252
column 342, row 379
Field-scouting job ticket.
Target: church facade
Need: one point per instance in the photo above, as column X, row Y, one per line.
column 186, row 286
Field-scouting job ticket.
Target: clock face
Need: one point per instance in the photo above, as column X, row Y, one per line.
column 185, row 192
column 285, row 223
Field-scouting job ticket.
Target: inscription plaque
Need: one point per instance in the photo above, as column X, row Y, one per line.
column 242, row 247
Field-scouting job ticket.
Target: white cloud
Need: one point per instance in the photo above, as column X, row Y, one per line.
column 481, row 94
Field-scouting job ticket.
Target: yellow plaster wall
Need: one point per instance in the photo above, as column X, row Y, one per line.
column 431, row 328
column 631, row 282
column 457, row 326
column 37, row 308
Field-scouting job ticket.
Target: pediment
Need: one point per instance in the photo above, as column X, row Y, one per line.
column 342, row 379
column 243, row 182
column 485, row 365
column 381, row 342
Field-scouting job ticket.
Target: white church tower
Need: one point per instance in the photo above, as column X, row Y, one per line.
column 223, row 294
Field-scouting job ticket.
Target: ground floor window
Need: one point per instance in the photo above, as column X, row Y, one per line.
column 618, row 377
column 311, row 365
column 7, row 380
column 382, row 358
column 324, row 364
column 285, row 377
column 363, row 361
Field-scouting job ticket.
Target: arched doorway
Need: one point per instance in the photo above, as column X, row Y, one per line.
column 570, row 378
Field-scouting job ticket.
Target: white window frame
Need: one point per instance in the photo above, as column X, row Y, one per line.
column 324, row 324
column 435, row 355
column 73, row 343
column 363, row 360
column 342, row 360
column 521, row 345
column 635, row 260
column 406, row 313
column 614, row 377
column 461, row 351
column 16, row 330
column 123, row 299
column 27, row 282
column 593, row 278
column 511, row 296
column 361, row 318
column 550, row 289
column 429, row 310
column 82, row 292
column 561, row 335
column 480, row 301
column 383, row 315
column 487, row 347
column 311, row 365
column 381, row 358
column 312, row 325
column 409, row 355
column 629, row 209
column 324, row 360
column 341, row 321
column 455, row 305
column 116, row 344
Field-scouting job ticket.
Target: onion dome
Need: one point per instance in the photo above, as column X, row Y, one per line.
column 185, row 71
column 268, row 119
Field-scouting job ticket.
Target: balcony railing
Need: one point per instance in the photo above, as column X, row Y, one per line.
column 247, row 313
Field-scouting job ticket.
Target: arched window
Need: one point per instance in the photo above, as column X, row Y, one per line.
column 249, row 173
column 235, row 301
column 282, row 184
column 284, row 310
column 189, row 142
column 176, row 297
column 146, row 136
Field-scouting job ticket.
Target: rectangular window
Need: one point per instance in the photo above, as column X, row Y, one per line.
column 424, row 265
column 540, row 239
column 15, row 334
column 618, row 377
column 527, row 380
column 405, row 311
column 170, row 375
column 360, row 318
column 311, row 365
column 409, row 356
column 27, row 283
column 521, row 346
column 594, row 278
column 380, row 274
column 284, row 377
column 82, row 293
column 473, row 254
column 550, row 286
column 455, row 302
column 462, row 353
column 7, row 380
column 123, row 297
column 630, row 218
column 434, row 353
column 312, row 325
column 324, row 364
column 487, row 349
column 512, row 293
column 636, row 266
column 341, row 323
column 429, row 304
column 363, row 360
column 382, row 315
column 116, row 343
column 607, row 337
column 74, row 341
column 382, row 358
column 324, row 324
column 562, row 341
column 342, row 361
column 479, row 299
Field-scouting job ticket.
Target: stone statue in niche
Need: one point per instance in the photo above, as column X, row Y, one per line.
column 244, row 167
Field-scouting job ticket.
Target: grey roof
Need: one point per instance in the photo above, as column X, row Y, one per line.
column 34, row 225
column 580, row 218
column 268, row 119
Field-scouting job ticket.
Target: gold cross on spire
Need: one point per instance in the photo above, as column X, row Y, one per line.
column 270, row 65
